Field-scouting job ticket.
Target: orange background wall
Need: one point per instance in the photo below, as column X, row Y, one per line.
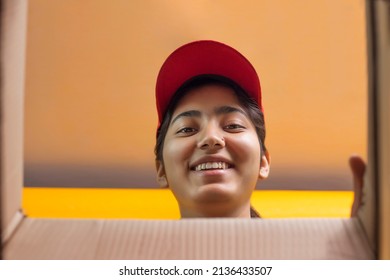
column 91, row 67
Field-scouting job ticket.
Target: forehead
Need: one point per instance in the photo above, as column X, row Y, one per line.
column 207, row 97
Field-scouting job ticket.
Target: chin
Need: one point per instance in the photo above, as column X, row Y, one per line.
column 213, row 193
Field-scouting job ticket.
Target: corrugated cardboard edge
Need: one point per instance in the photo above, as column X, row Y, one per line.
column 376, row 211
column 11, row 228
column 13, row 44
column 1, row 131
column 189, row 239
column 382, row 28
column 368, row 211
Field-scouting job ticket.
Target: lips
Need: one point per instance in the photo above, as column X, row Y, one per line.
column 211, row 164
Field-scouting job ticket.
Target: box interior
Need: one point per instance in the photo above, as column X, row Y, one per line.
column 364, row 237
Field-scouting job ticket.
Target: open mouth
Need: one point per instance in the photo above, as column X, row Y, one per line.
column 212, row 166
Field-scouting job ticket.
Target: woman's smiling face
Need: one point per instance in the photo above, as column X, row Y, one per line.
column 211, row 154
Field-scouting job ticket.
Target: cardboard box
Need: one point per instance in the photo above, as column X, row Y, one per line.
column 365, row 237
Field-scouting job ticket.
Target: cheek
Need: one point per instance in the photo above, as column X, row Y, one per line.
column 176, row 153
column 247, row 149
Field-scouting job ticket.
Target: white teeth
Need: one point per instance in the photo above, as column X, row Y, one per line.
column 211, row 165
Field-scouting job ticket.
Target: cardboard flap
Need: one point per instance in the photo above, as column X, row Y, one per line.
column 13, row 42
column 190, row 239
column 376, row 210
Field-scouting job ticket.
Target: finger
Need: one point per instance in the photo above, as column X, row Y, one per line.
column 357, row 165
column 358, row 168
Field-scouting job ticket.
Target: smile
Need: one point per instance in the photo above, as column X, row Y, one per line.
column 211, row 166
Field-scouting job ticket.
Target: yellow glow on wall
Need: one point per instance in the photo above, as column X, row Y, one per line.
column 160, row 204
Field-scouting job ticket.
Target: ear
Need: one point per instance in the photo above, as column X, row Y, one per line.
column 161, row 177
column 265, row 163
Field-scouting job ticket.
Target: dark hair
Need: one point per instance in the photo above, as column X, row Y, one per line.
column 249, row 105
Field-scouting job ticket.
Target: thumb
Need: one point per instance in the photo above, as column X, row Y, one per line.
column 358, row 168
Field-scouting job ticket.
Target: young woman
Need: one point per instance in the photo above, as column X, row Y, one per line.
column 210, row 148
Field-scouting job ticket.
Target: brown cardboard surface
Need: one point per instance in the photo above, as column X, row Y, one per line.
column 382, row 11
column 376, row 209
column 54, row 239
column 13, row 37
column 189, row 239
column 367, row 211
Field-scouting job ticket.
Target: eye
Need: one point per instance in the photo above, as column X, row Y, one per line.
column 186, row 130
column 234, row 127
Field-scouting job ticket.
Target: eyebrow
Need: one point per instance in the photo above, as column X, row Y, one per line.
column 219, row 111
column 228, row 110
column 192, row 113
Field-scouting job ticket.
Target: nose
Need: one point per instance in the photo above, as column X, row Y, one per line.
column 211, row 138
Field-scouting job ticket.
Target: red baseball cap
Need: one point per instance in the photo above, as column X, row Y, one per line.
column 204, row 57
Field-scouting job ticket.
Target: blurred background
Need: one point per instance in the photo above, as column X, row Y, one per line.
column 90, row 116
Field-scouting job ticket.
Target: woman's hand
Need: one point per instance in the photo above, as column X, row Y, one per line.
column 358, row 168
